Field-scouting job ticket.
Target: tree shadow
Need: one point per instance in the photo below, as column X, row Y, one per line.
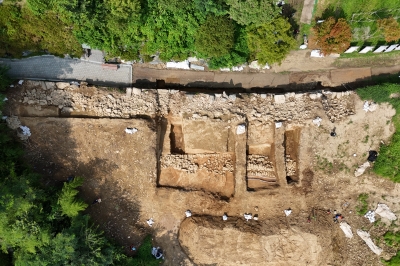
column 61, row 147
column 331, row 11
column 288, row 12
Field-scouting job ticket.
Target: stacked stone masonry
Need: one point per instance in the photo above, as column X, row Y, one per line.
column 260, row 166
column 213, row 163
column 291, row 166
column 258, row 108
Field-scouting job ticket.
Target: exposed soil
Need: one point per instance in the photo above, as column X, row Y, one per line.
column 187, row 154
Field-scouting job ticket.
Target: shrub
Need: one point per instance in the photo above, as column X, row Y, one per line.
column 70, row 205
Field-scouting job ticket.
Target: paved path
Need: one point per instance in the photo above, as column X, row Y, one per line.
column 49, row 67
column 306, row 13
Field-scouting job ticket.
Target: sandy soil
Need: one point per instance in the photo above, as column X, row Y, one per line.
column 123, row 170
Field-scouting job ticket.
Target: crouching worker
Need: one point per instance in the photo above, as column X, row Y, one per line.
column 157, row 252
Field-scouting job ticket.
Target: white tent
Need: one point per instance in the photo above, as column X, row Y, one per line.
column 352, row 49
column 367, row 49
column 381, row 49
column 178, row 65
column 316, row 53
column 391, row 48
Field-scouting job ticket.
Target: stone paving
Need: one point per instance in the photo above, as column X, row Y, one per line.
column 53, row 68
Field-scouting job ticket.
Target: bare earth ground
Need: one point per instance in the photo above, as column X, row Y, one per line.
column 125, row 171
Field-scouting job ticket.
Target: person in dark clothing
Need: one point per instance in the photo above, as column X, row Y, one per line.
column 97, row 201
column 70, row 178
column 372, row 156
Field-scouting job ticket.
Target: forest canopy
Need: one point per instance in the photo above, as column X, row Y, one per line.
column 134, row 29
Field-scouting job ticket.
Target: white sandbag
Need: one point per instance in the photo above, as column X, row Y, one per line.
column 241, row 129
column 384, row 211
column 130, row 130
column 366, row 237
column 370, row 215
column 360, row 170
column 346, row 229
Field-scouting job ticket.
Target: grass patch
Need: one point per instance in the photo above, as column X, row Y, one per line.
column 394, row 261
column 362, row 206
column 343, row 167
column 324, row 164
column 342, row 150
column 388, row 161
column 392, row 239
column 371, row 55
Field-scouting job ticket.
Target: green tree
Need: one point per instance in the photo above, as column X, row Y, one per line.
column 270, row 42
column 70, row 206
column 40, row 7
column 215, row 7
column 170, row 28
column 21, row 29
column 332, row 36
column 246, row 12
column 215, row 37
column 238, row 55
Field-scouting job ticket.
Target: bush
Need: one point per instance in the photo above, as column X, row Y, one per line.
column 392, row 239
